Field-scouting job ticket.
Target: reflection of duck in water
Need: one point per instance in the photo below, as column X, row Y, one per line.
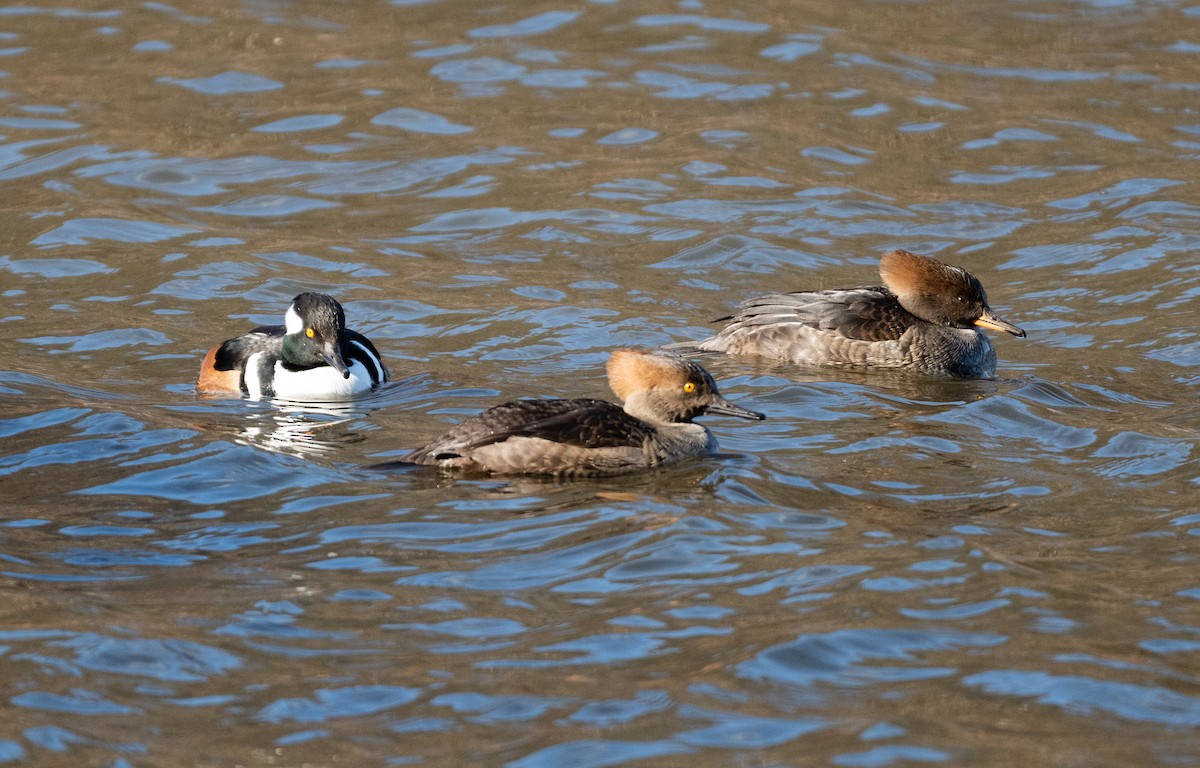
column 312, row 357
column 925, row 318
column 302, row 430
column 577, row 438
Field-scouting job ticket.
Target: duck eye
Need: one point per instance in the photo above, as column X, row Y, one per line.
column 689, row 387
column 309, row 332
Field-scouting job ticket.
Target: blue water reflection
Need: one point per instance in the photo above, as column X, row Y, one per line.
column 226, row 83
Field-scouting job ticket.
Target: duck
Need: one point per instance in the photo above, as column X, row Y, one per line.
column 311, row 357
column 926, row 318
column 662, row 393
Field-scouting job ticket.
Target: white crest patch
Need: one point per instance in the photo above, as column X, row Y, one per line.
column 292, row 321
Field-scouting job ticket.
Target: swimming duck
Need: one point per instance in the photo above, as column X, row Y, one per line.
column 662, row 393
column 925, row 317
column 312, row 357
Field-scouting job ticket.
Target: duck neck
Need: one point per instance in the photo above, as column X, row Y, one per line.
column 300, row 354
column 645, row 406
column 289, row 352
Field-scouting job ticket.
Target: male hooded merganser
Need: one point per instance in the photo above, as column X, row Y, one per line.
column 312, row 357
column 925, row 318
column 662, row 393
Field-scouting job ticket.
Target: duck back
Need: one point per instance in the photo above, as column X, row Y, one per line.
column 850, row 328
column 577, row 437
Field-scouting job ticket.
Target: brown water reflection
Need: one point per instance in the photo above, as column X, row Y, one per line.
column 885, row 571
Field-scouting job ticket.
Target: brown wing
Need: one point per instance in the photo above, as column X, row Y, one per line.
column 580, row 423
column 865, row 314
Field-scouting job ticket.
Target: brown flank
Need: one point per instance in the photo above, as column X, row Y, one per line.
column 211, row 380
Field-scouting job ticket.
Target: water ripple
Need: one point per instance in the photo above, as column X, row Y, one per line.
column 268, row 205
column 534, row 25
column 54, row 268
column 500, row 195
column 418, row 121
column 225, row 83
column 82, row 703
column 597, row 753
column 217, row 474
column 331, row 703
column 170, row 659
column 844, row 657
column 708, row 23
column 1082, row 695
column 299, row 124
column 84, row 231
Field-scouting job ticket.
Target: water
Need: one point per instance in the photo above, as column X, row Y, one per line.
column 887, row 571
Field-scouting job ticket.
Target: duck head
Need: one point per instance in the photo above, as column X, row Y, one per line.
column 661, row 386
column 940, row 293
column 315, row 325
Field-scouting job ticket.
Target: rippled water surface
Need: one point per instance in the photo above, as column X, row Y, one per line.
column 888, row 571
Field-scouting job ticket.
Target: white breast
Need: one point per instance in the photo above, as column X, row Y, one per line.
column 322, row 383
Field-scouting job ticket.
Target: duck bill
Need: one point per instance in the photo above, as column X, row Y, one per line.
column 332, row 355
column 722, row 406
column 993, row 323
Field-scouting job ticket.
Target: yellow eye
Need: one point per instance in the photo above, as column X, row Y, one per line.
column 309, row 332
column 689, row 387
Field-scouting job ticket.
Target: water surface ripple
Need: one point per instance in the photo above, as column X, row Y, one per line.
column 886, row 571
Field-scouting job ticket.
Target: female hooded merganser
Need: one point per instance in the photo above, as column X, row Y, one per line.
column 662, row 393
column 312, row 357
column 925, row 318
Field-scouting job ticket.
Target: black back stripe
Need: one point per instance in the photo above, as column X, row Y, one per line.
column 369, row 359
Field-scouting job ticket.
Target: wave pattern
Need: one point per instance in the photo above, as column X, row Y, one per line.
column 887, row 570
